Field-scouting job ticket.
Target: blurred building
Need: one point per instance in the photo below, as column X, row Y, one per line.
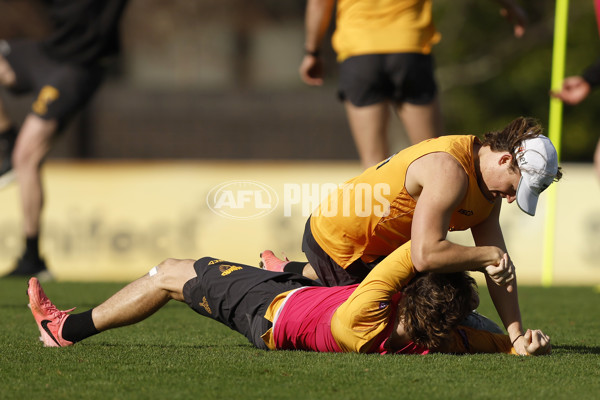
column 201, row 79
column 218, row 79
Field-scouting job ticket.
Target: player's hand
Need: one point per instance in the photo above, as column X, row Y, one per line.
column 311, row 70
column 502, row 274
column 574, row 90
column 515, row 15
column 534, row 343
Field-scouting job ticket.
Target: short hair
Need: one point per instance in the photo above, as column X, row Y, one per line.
column 510, row 138
column 433, row 304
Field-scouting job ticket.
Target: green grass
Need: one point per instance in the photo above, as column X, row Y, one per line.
column 177, row 354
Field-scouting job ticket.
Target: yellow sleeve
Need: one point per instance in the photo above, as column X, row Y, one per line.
column 366, row 312
column 470, row 340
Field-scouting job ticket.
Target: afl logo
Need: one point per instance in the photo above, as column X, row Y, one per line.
column 242, row 199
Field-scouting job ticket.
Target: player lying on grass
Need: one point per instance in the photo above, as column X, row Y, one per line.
column 394, row 310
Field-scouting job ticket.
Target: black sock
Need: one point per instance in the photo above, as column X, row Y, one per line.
column 294, row 266
column 32, row 248
column 79, row 326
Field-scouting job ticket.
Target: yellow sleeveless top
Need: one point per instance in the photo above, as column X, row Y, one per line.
column 371, row 215
column 383, row 27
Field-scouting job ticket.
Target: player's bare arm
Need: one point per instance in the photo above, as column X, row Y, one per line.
column 439, row 183
column 489, row 233
column 317, row 19
column 505, row 298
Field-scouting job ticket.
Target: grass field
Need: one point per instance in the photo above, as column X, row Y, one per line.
column 177, row 354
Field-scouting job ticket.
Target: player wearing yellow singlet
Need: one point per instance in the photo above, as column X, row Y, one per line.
column 384, row 51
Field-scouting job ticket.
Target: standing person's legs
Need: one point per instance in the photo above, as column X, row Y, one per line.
column 362, row 88
column 32, row 145
column 421, row 121
column 414, row 90
column 62, row 90
column 369, row 126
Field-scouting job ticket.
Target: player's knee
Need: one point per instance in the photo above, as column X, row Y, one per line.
column 166, row 268
column 24, row 158
column 172, row 273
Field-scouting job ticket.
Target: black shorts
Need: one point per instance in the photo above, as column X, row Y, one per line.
column 238, row 295
column 373, row 78
column 62, row 89
column 329, row 272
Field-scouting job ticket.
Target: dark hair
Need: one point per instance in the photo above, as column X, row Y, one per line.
column 509, row 139
column 433, row 304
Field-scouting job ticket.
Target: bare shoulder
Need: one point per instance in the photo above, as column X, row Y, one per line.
column 436, row 169
column 438, row 165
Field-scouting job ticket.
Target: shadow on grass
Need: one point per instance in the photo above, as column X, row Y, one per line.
column 82, row 306
column 578, row 349
column 166, row 346
column 563, row 348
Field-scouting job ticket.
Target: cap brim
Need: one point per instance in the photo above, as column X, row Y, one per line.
column 526, row 199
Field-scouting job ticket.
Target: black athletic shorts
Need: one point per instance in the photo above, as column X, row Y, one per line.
column 238, row 295
column 62, row 89
column 373, row 78
column 329, row 272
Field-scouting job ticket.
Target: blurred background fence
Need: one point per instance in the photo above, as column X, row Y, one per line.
column 196, row 77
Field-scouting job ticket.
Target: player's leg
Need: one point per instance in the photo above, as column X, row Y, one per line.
column 63, row 90
column 31, row 148
column 362, row 88
column 421, row 121
column 143, row 297
column 132, row 304
column 369, row 126
column 415, row 94
column 33, row 144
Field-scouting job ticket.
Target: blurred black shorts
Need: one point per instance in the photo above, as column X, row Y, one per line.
column 62, row 89
column 238, row 295
column 373, row 78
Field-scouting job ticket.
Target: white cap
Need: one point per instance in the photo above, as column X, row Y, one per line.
column 538, row 162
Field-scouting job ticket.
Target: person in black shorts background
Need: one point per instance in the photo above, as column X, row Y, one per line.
column 64, row 70
column 384, row 52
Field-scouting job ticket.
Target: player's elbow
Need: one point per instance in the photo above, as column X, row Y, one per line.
column 422, row 260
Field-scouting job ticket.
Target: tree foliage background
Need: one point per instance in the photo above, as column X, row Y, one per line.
column 488, row 76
